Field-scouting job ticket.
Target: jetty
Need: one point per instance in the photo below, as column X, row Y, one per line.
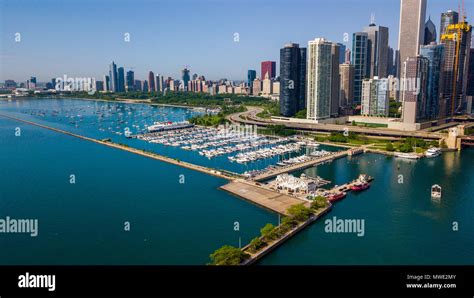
column 213, row 172
column 300, row 166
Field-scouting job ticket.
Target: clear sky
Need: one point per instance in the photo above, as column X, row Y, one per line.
column 81, row 37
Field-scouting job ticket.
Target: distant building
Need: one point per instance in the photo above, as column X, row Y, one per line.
column 10, row 84
column 99, row 85
column 267, row 85
column 377, row 50
column 375, row 97
column 447, row 18
column 457, row 42
column 138, row 85
column 185, row 77
column 435, row 54
column 470, row 77
column 412, row 28
column 346, row 72
column 319, row 79
column 347, row 56
column 270, row 68
column 414, row 84
column 145, row 86
column 335, row 79
column 130, row 78
column 113, row 77
column 256, row 87
column 251, row 75
column 430, row 32
column 342, row 53
column 121, row 79
column 359, row 59
column 107, row 83
column 151, row 81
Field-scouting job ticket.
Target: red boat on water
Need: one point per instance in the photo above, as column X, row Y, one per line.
column 360, row 186
column 334, row 197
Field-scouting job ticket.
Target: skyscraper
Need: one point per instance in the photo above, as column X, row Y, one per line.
column 113, row 77
column 447, row 18
column 413, row 90
column 412, row 28
column 107, row 83
column 291, row 80
column 270, row 68
column 302, row 95
column 130, row 80
column 342, row 53
column 377, row 42
column 151, row 81
column 251, row 75
column 346, row 73
column 390, row 62
column 335, row 79
column 347, row 56
column 375, row 99
column 430, row 32
column 359, row 59
column 121, row 80
column 319, row 67
column 185, row 78
column 456, row 41
column 435, row 54
column 470, row 76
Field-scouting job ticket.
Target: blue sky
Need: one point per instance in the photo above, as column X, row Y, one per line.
column 81, row 38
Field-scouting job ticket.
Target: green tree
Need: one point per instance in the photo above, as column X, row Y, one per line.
column 256, row 244
column 319, row 202
column 228, row 255
column 267, row 230
column 299, row 212
column 389, row 147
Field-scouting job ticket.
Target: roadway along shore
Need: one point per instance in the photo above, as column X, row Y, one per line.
column 209, row 171
column 250, row 117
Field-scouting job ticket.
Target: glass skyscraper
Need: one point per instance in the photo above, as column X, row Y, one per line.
column 359, row 59
column 251, row 75
column 292, row 83
column 113, row 77
column 121, row 80
column 130, row 80
column 434, row 53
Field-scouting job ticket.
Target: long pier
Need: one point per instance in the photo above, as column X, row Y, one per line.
column 300, row 166
column 217, row 173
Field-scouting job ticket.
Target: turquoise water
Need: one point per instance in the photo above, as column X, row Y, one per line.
column 173, row 223
column 403, row 225
column 83, row 223
column 83, row 117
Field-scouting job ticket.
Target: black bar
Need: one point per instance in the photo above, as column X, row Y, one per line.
column 262, row 281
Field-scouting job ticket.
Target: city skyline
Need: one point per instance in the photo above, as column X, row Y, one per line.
column 230, row 50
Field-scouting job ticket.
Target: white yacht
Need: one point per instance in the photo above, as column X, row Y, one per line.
column 407, row 155
column 433, row 152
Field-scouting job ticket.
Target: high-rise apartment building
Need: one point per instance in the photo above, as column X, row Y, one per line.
column 346, row 73
column 113, row 77
column 292, row 79
column 151, row 81
column 120, row 79
column 130, row 78
column 375, row 97
column 359, row 59
column 319, row 68
column 413, row 89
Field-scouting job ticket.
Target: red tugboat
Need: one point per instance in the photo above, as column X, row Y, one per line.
column 359, row 186
column 334, row 197
column 362, row 183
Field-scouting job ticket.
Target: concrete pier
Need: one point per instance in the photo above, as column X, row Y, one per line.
column 263, row 197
